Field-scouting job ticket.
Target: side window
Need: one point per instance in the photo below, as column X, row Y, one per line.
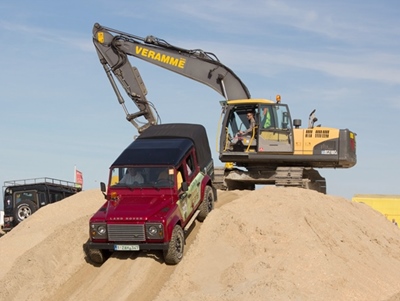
column 42, row 199
column 116, row 175
column 180, row 177
column 186, row 171
column 55, row 197
column 190, row 164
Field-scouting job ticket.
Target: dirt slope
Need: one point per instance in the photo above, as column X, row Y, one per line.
column 268, row 244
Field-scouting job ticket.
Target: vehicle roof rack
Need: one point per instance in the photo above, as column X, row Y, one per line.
column 44, row 180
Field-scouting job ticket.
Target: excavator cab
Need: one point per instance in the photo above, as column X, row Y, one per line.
column 273, row 131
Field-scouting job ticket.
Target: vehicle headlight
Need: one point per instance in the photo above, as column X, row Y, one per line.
column 101, row 230
column 154, row 231
column 98, row 230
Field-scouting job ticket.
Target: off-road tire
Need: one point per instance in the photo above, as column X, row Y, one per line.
column 24, row 209
column 207, row 204
column 96, row 256
column 174, row 253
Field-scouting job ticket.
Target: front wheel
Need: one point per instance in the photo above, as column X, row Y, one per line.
column 96, row 256
column 174, row 253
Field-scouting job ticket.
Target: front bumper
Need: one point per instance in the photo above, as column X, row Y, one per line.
column 142, row 246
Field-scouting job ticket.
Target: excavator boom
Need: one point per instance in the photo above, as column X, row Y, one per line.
column 114, row 46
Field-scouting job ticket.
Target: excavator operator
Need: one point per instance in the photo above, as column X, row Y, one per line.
column 252, row 121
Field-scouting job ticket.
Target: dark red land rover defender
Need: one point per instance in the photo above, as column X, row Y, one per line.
column 159, row 185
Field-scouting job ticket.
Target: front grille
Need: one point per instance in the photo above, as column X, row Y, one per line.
column 126, row 232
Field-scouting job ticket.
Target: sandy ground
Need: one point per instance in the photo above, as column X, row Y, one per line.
column 268, row 244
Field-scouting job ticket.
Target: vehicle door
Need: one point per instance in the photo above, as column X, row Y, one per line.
column 43, row 199
column 189, row 200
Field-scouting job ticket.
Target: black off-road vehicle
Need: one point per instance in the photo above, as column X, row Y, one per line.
column 23, row 197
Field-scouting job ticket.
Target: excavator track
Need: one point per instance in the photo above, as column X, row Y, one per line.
column 307, row 178
column 231, row 179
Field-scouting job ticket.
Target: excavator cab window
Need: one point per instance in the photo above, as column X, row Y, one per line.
column 238, row 120
column 276, row 129
column 275, row 117
column 235, row 123
column 283, row 118
column 267, row 117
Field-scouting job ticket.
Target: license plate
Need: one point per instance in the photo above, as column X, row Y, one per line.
column 126, row 248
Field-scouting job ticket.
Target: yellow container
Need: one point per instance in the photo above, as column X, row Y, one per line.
column 388, row 205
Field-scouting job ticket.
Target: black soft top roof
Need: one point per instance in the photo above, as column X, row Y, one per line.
column 154, row 152
column 179, row 137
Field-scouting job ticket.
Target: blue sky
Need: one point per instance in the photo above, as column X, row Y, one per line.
column 58, row 109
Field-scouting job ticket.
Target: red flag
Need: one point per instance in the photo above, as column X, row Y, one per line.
column 79, row 177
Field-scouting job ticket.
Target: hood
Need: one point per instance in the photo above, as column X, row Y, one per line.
column 139, row 206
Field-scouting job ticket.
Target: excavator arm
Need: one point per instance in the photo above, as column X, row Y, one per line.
column 114, row 46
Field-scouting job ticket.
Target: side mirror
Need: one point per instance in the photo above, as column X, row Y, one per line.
column 103, row 188
column 184, row 186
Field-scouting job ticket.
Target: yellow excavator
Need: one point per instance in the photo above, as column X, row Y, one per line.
column 276, row 150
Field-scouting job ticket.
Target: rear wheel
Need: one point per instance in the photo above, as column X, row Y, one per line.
column 174, row 253
column 24, row 209
column 207, row 204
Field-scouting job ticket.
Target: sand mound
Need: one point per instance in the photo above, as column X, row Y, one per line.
column 268, row 244
column 290, row 244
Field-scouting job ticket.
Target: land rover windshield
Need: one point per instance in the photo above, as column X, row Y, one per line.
column 141, row 176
